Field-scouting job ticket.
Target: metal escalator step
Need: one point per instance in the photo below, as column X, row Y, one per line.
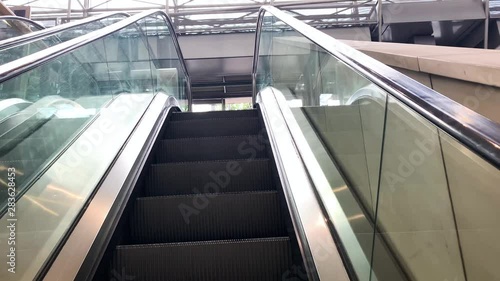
column 243, row 260
column 179, row 116
column 209, row 176
column 207, row 217
column 210, row 148
column 212, row 127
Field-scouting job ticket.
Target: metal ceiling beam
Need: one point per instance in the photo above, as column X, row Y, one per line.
column 486, row 23
column 288, row 4
column 253, row 20
column 195, row 10
column 182, row 11
column 86, row 7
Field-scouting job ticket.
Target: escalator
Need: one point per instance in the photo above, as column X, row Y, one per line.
column 344, row 170
column 80, row 105
column 232, row 219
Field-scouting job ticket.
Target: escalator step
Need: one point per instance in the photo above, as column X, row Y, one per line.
column 210, row 148
column 212, row 127
column 179, row 116
column 201, row 217
column 242, row 260
column 198, row 177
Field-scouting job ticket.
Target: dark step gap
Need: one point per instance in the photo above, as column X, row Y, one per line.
column 198, row 177
column 210, row 148
column 212, row 127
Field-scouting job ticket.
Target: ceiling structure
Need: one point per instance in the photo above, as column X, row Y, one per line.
column 209, row 16
column 233, row 22
column 229, row 16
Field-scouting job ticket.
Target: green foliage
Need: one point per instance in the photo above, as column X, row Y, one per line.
column 239, row 106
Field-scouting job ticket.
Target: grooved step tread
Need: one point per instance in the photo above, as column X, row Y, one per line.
column 207, row 217
column 210, row 148
column 200, row 177
column 178, row 116
column 212, row 127
column 242, row 260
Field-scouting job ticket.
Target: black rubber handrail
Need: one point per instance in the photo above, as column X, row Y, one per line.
column 22, row 65
column 34, row 23
column 29, row 37
column 478, row 133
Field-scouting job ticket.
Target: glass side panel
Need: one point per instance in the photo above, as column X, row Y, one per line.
column 473, row 186
column 342, row 115
column 415, row 204
column 168, row 73
column 415, row 213
column 29, row 47
column 10, row 28
column 74, row 113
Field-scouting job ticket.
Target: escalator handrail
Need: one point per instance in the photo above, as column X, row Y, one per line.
column 32, row 22
column 22, row 65
column 480, row 134
column 20, row 40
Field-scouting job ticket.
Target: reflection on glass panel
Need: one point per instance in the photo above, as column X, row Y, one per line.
column 62, row 124
column 415, row 214
column 474, row 190
column 415, row 204
column 24, row 49
column 10, row 28
column 61, row 96
column 342, row 116
column 168, row 74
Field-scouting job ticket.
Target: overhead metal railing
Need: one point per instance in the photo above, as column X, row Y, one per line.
column 12, row 69
column 196, row 17
column 54, row 30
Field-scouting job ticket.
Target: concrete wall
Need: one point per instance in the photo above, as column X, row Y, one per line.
column 467, row 76
column 483, row 99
